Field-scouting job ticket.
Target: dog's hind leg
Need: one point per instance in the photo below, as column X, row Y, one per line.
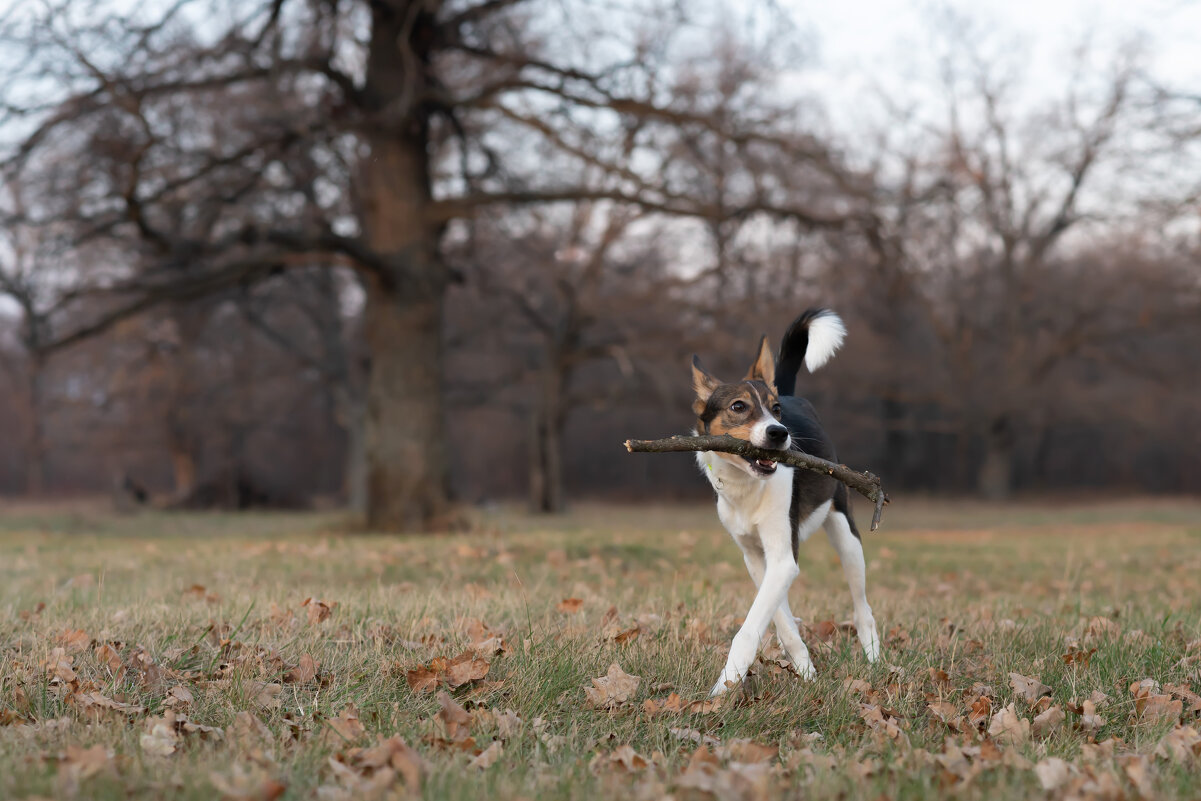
column 839, row 529
column 786, row 627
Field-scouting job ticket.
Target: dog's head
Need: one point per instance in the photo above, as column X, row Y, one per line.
column 748, row 409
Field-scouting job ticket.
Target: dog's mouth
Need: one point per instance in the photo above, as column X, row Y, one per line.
column 761, row 467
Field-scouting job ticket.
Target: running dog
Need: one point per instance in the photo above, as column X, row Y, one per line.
column 769, row 508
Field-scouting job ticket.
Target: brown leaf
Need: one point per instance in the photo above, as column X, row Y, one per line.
column 179, row 697
column 455, row 719
column 623, row 759
column 1137, row 769
column 1078, row 656
column 488, row 756
column 74, row 640
column 1181, row 744
column 1102, row 628
column 347, row 724
column 1007, row 726
column 980, row 713
column 1159, row 708
column 241, row 784
column 1029, row 689
column 466, row 668
column 79, row 763
column 508, row 724
column 749, row 752
column 878, row 721
column 1090, row 721
column 1053, row 773
column 318, row 611
column 613, row 689
column 569, row 606
column 695, row 736
column 948, row 714
column 669, row 705
column 423, row 679
column 304, row 672
column 160, row 738
column 1048, row 722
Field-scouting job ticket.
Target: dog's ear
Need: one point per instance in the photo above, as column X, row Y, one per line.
column 764, row 368
column 703, row 383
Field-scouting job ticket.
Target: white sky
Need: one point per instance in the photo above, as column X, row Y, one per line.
column 865, row 45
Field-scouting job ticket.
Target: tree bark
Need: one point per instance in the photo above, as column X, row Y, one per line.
column 546, row 443
column 995, row 477
column 407, row 461
column 35, row 470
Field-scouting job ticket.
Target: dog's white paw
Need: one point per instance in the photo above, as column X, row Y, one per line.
column 804, row 668
column 870, row 639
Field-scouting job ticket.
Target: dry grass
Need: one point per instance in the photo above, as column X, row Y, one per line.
column 975, row 592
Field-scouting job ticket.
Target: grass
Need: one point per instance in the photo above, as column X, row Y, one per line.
column 213, row 604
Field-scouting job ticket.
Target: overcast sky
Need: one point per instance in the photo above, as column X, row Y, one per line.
column 866, row 44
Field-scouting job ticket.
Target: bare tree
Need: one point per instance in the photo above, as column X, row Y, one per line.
column 357, row 133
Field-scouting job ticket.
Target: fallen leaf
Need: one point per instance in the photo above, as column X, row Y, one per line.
column 878, row 721
column 749, row 752
column 1053, row 773
column 304, row 672
column 423, row 679
column 981, row 711
column 79, row 764
column 671, row 704
column 693, row 735
column 613, row 689
column 1158, row 708
column 243, row 784
column 455, row 720
column 160, row 738
column 1182, row 744
column 318, row 611
column 488, row 756
column 466, row 668
column 1048, row 722
column 1137, row 770
column 1008, row 726
column 508, row 724
column 946, row 713
column 74, row 640
column 1090, row 721
column 569, row 606
column 623, row 759
column 347, row 724
column 1027, row 688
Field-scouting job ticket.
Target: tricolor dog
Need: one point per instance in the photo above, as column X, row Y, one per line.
column 769, row 509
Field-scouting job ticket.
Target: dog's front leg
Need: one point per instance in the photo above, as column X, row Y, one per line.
column 780, row 571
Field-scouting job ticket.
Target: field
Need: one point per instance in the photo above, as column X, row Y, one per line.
column 1029, row 650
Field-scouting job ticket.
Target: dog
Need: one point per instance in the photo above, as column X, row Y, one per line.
column 770, row 508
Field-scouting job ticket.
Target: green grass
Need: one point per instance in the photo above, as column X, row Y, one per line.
column 977, row 591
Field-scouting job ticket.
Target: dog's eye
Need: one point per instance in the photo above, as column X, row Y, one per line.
column 776, row 410
column 738, row 407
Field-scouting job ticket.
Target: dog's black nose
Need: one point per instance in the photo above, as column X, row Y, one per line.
column 776, row 435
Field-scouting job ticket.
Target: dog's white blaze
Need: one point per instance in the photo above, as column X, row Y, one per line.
column 826, row 333
column 759, row 430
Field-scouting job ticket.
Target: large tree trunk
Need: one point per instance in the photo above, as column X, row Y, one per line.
column 995, row 479
column 546, row 440
column 407, row 486
column 407, row 477
column 35, row 448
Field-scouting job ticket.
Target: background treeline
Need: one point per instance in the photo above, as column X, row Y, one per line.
column 195, row 260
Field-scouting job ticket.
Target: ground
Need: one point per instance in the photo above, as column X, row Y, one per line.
column 1029, row 649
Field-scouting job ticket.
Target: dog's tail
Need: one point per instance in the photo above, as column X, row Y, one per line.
column 812, row 338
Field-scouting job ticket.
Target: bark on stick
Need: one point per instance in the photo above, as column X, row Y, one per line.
column 866, row 484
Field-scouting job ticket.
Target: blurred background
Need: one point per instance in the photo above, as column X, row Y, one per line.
column 407, row 255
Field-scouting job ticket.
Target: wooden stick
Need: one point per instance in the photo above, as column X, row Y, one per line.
column 866, row 484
